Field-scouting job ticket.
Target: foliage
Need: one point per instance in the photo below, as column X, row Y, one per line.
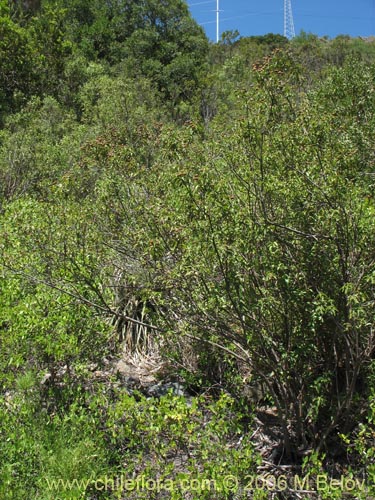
column 16, row 64
column 151, row 434
column 218, row 197
column 39, row 450
column 72, row 454
column 262, row 242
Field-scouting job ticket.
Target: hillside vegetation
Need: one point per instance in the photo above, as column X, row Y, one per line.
column 204, row 216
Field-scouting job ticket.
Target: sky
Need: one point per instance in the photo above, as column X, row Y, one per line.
column 320, row 17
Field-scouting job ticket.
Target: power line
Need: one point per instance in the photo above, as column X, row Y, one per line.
column 289, row 29
column 218, row 19
column 246, row 14
column 338, row 16
column 201, row 3
column 217, row 10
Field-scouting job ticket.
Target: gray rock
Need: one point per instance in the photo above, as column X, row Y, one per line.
column 159, row 390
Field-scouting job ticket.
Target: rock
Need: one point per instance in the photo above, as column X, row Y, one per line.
column 129, row 382
column 159, row 390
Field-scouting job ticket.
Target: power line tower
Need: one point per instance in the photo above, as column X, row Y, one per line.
column 288, row 20
column 217, row 20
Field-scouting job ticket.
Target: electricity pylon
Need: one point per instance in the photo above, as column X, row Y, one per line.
column 288, row 20
column 217, row 20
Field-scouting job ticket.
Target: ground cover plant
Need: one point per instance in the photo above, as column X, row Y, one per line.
column 186, row 258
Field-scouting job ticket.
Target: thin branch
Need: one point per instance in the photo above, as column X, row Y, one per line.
column 215, row 344
column 107, row 309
